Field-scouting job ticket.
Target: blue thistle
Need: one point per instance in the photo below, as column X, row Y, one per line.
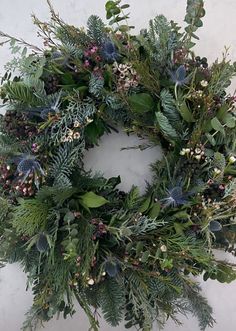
column 175, row 197
column 44, row 111
column 112, row 267
column 179, row 76
column 109, row 52
column 26, row 165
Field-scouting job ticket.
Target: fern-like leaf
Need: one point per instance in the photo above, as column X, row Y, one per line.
column 63, row 164
column 166, row 128
column 169, row 108
column 96, row 29
column 199, row 307
column 30, row 216
column 112, row 301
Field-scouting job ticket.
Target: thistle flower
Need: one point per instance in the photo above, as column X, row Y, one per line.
column 109, row 52
column 42, row 243
column 175, row 197
column 27, row 165
column 179, row 76
column 112, row 267
column 44, row 112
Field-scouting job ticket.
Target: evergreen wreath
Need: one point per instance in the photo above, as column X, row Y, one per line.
column 75, row 234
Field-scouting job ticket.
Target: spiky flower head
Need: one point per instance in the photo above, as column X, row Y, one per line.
column 112, row 267
column 179, row 76
column 27, row 164
column 42, row 243
column 109, row 52
column 175, row 197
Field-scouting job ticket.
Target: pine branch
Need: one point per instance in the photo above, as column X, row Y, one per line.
column 112, row 301
column 96, row 84
column 96, row 29
column 199, row 306
column 63, row 163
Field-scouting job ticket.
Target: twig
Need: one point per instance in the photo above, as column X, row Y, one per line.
column 20, row 41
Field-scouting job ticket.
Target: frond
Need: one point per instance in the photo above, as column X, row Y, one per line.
column 169, row 108
column 96, row 29
column 165, row 127
column 63, row 163
column 30, row 216
column 112, row 301
column 79, row 112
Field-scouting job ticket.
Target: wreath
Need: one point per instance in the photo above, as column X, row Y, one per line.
column 75, row 234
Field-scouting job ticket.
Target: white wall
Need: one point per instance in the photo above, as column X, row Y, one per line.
column 219, row 30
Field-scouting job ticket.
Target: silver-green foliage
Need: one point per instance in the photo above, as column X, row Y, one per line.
column 76, row 111
column 112, row 301
column 63, row 163
column 96, row 29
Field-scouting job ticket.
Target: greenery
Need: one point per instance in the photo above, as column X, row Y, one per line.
column 76, row 235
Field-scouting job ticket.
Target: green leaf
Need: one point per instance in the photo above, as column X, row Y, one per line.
column 229, row 121
column 145, row 256
column 92, row 200
column 186, row 113
column 155, row 210
column 132, row 198
column 112, row 299
column 124, row 28
column 139, row 248
column 190, row 44
column 181, row 215
column 145, row 205
column 211, row 139
column 199, row 23
column 141, row 103
column 125, row 6
column 194, row 36
column 217, row 126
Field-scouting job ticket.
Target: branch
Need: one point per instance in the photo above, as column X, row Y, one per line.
column 19, row 41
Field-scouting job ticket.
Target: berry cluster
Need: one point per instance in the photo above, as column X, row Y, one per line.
column 51, row 84
column 25, row 188
column 214, row 191
column 100, row 228
column 11, row 183
column 201, row 62
column 7, row 176
column 18, row 125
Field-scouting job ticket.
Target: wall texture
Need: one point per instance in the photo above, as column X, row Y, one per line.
column 218, row 31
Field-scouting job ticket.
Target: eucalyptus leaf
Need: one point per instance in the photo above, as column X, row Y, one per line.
column 229, row 120
column 211, row 139
column 92, row 200
column 217, row 126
